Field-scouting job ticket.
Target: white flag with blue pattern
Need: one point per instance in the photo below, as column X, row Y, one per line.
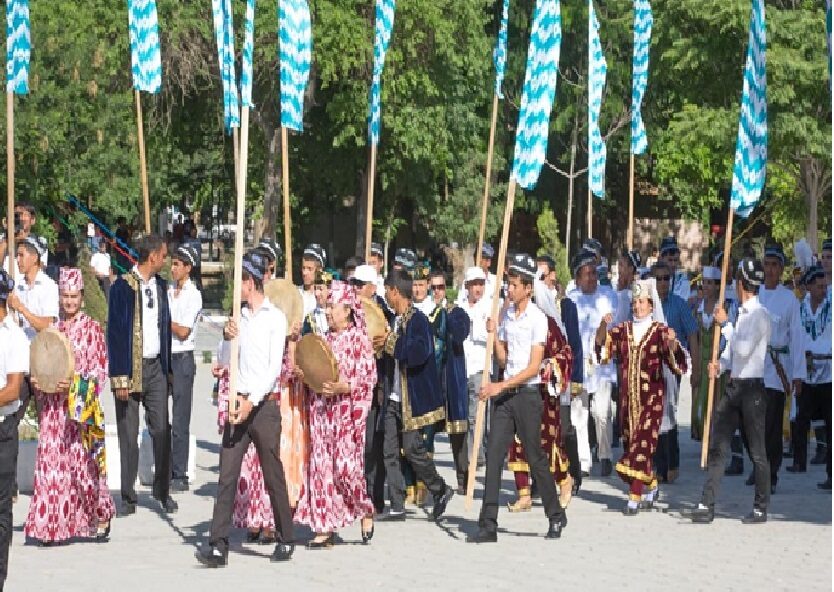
column 499, row 56
column 751, row 146
column 246, row 60
column 538, row 93
column 224, row 33
column 145, row 59
column 18, row 46
column 597, row 70
column 640, row 72
column 296, row 47
column 383, row 24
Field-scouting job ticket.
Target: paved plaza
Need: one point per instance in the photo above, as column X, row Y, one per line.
column 600, row 550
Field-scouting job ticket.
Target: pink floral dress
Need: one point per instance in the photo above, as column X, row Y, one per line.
column 334, row 493
column 71, row 497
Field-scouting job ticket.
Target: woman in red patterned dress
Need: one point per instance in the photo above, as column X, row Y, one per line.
column 71, row 498
column 642, row 348
column 334, row 493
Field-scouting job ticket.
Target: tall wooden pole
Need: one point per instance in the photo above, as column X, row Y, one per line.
column 716, row 336
column 10, row 252
column 630, row 238
column 238, row 269
column 488, row 180
column 236, row 152
column 143, row 165
column 571, row 180
column 479, row 417
column 285, row 182
column 369, row 223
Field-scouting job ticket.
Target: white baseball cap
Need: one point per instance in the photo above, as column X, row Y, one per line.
column 474, row 274
column 365, row 273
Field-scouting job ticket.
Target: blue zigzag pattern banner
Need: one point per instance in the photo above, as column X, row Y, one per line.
column 18, row 46
column 597, row 69
column 643, row 21
column 499, row 56
column 538, row 93
column 145, row 59
column 246, row 61
column 751, row 146
column 296, row 48
column 383, row 23
column 224, row 33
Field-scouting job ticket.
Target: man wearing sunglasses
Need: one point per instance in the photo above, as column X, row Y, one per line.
column 139, row 354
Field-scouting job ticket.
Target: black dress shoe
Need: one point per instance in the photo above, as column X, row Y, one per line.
column 556, row 527
column 795, row 468
column 483, row 536
column 751, row 479
column 757, row 516
column 825, row 485
column 819, row 457
column 127, row 509
column 735, row 468
column 606, row 467
column 283, row 552
column 212, row 556
column 393, row 516
column 441, row 501
column 702, row 515
column 168, row 505
column 326, row 543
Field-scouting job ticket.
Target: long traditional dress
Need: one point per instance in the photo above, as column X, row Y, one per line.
column 641, row 360
column 334, row 493
column 71, row 498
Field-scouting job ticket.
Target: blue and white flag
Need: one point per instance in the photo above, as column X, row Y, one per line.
column 538, row 93
column 296, row 48
column 751, row 146
column 246, row 60
column 18, row 46
column 383, row 24
column 145, row 59
column 499, row 56
column 597, row 70
column 640, row 72
column 224, row 33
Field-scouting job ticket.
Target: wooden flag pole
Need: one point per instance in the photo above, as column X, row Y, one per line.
column 590, row 208
column 630, row 236
column 479, row 417
column 285, row 166
column 238, row 269
column 716, row 336
column 143, row 165
column 236, row 153
column 369, row 224
column 485, row 204
column 10, row 252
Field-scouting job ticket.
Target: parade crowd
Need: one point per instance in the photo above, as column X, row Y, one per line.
column 583, row 374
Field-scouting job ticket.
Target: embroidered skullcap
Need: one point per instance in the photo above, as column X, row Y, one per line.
column 593, row 245
column 272, row 248
column 752, row 271
column 523, row 264
column 376, row 249
column 405, row 257
column 316, row 251
column 187, row 254
column 814, row 272
column 255, row 265
column 669, row 243
column 36, row 243
column 487, row 251
column 583, row 258
column 634, row 258
column 775, row 250
column 70, row 280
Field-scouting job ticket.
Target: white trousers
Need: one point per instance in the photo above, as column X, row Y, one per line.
column 579, row 419
column 600, row 410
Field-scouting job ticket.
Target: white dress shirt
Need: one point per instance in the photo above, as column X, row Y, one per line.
column 590, row 309
column 185, row 309
column 309, row 300
column 474, row 346
column 14, row 358
column 521, row 333
column 427, row 306
column 817, row 323
column 151, row 346
column 786, row 331
column 489, row 288
column 680, row 285
column 100, row 262
column 746, row 342
column 41, row 299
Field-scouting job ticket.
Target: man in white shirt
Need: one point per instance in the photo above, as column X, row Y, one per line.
column 517, row 404
column 185, row 303
column 592, row 305
column 14, row 365
column 316, row 320
column 420, row 290
column 474, row 347
column 101, row 264
column 377, row 261
column 487, row 255
column 627, row 266
column 815, row 398
column 745, row 398
column 35, row 297
column 254, row 416
column 671, row 254
column 25, row 216
column 313, row 260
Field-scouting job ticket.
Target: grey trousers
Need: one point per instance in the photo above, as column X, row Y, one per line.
column 474, row 383
column 154, row 398
column 184, row 368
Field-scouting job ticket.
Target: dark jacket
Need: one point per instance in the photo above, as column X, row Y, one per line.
column 570, row 318
column 457, row 386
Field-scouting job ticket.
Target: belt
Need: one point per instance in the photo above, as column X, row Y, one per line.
column 182, row 353
column 534, row 388
column 784, row 349
column 747, row 380
column 819, row 356
column 150, row 360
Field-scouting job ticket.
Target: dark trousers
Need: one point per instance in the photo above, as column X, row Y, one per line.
column 8, row 477
column 183, row 368
column 813, row 401
column 775, row 408
column 571, row 445
column 460, row 450
column 374, row 461
column 263, row 429
column 517, row 412
column 414, row 448
column 154, row 398
column 667, row 457
column 743, row 403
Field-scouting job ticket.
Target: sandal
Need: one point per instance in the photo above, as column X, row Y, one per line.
column 524, row 504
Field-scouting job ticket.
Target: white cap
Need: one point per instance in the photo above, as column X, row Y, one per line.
column 365, row 273
column 474, row 274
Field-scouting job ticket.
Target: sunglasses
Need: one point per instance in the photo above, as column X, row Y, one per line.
column 149, row 294
column 438, row 287
column 663, row 278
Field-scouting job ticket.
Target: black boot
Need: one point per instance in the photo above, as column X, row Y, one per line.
column 703, row 515
column 736, row 466
column 556, row 527
column 212, row 555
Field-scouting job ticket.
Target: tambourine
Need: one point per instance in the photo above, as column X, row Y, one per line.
column 316, row 360
column 374, row 318
column 284, row 295
column 51, row 360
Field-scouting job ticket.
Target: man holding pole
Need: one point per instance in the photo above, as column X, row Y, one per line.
column 517, row 404
column 745, row 399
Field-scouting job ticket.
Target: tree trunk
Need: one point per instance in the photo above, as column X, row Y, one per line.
column 272, row 177
column 814, row 182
